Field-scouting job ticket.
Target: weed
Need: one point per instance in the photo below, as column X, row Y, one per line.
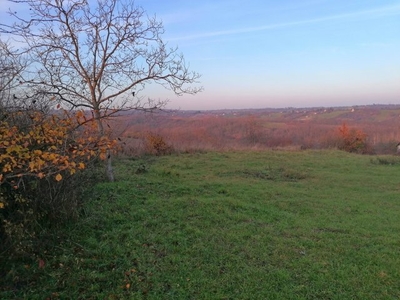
column 275, row 174
column 386, row 160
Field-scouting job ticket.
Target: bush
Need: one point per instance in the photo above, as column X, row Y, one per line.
column 353, row 140
column 39, row 205
column 156, row 145
column 42, row 159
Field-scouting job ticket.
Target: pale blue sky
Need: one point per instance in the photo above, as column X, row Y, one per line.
column 264, row 53
column 281, row 53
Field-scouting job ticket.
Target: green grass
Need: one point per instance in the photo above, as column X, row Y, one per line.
column 236, row 225
column 331, row 114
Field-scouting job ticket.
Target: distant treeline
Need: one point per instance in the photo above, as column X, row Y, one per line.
column 366, row 130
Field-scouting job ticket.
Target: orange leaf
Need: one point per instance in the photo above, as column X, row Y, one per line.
column 58, row 177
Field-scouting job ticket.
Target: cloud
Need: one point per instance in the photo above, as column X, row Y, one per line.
column 390, row 10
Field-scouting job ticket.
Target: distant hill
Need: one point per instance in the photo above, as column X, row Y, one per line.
column 356, row 114
column 315, row 128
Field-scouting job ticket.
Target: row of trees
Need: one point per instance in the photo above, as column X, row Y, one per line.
column 66, row 67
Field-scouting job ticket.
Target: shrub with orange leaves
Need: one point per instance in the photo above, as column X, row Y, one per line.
column 49, row 146
column 35, row 158
column 156, row 144
column 352, row 140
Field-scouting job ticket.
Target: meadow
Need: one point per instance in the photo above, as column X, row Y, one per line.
column 311, row 128
column 313, row 224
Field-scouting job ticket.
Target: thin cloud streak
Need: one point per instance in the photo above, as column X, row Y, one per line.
column 372, row 13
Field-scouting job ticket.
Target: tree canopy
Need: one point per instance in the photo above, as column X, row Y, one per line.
column 97, row 55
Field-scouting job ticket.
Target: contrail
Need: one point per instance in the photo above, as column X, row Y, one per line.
column 371, row 13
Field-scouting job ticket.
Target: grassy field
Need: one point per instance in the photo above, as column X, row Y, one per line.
column 235, row 225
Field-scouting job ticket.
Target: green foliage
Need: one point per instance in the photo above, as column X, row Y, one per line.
column 201, row 226
column 39, row 205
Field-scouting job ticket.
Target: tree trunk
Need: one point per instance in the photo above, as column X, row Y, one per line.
column 108, row 165
column 109, row 168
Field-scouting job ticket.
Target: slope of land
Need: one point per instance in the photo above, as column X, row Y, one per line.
column 228, row 225
column 314, row 128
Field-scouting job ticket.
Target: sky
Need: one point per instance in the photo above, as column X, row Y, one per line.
column 286, row 53
column 283, row 53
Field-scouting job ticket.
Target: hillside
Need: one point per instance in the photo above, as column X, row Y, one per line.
column 232, row 225
column 305, row 128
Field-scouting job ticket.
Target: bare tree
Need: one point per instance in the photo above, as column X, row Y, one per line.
column 11, row 68
column 98, row 55
column 17, row 93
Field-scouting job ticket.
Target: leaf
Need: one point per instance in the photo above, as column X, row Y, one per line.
column 37, row 152
column 41, row 263
column 1, row 205
column 58, row 177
